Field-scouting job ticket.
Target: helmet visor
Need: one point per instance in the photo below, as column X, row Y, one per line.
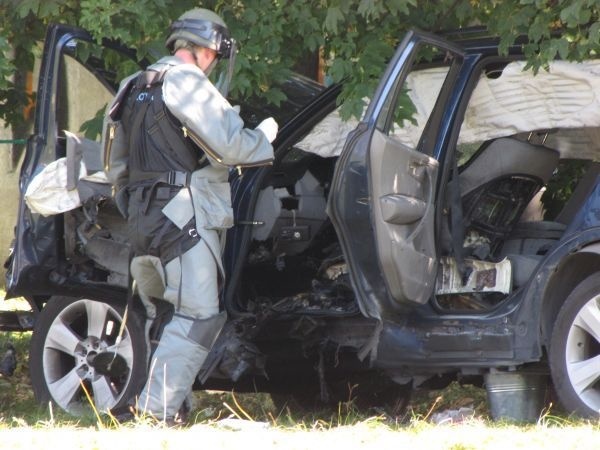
column 224, row 72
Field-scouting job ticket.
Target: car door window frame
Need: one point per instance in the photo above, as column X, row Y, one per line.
column 350, row 208
column 395, row 75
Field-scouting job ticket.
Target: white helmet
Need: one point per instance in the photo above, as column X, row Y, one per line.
column 204, row 28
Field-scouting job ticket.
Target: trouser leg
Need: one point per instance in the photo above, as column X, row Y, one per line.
column 148, row 273
column 191, row 284
column 150, row 318
column 173, row 369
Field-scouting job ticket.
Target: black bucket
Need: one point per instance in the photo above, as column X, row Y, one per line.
column 516, row 396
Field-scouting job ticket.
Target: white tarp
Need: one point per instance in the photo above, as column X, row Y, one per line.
column 566, row 97
column 47, row 193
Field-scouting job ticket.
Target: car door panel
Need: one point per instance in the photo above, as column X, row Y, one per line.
column 73, row 89
column 403, row 187
column 384, row 191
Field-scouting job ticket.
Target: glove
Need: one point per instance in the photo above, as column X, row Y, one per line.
column 269, row 127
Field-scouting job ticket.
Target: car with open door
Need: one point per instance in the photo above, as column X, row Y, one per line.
column 453, row 232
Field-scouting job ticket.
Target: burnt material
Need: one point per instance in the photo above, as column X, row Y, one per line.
column 16, row 320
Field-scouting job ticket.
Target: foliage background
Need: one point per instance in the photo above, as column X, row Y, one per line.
column 356, row 37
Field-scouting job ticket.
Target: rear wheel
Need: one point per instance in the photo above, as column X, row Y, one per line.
column 75, row 348
column 575, row 350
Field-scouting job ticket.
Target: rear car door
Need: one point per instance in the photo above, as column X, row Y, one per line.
column 386, row 183
column 75, row 85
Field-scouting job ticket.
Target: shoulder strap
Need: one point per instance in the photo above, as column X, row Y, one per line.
column 117, row 105
column 150, row 78
column 147, row 78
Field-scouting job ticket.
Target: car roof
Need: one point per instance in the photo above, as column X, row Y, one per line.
column 479, row 38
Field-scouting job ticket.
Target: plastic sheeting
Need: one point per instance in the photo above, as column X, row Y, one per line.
column 47, row 193
column 50, row 191
column 563, row 101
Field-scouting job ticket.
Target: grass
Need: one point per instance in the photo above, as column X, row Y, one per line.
column 234, row 420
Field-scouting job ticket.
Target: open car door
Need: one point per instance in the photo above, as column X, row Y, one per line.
column 385, row 187
column 75, row 85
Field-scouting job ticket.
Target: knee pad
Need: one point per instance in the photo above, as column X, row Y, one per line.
column 149, row 275
column 206, row 330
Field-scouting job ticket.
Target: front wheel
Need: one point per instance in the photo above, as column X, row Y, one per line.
column 75, row 348
column 574, row 352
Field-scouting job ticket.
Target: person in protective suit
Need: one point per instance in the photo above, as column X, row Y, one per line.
column 170, row 140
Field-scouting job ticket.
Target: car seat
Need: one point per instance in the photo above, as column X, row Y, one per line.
column 497, row 185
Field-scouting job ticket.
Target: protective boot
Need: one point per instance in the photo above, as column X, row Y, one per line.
column 183, row 347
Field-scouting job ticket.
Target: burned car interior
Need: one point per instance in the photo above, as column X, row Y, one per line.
column 296, row 243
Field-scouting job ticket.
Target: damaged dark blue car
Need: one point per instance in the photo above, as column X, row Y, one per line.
column 452, row 233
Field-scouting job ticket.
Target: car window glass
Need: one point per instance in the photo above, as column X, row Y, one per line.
column 85, row 86
column 406, row 112
column 466, row 150
column 299, row 91
column 76, row 106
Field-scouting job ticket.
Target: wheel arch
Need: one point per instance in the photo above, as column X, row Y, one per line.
column 568, row 274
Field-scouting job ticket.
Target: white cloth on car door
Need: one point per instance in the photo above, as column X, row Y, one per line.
column 47, row 193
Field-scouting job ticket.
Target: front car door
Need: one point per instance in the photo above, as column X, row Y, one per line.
column 386, row 184
column 74, row 87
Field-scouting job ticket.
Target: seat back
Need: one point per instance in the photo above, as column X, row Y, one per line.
column 507, row 157
column 499, row 182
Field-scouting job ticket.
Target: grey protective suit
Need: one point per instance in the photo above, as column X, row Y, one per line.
column 190, row 280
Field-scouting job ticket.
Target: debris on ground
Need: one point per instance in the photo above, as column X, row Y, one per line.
column 8, row 363
column 452, row 416
column 241, row 424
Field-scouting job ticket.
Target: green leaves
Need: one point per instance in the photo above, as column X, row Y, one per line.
column 356, row 38
column 396, row 7
column 576, row 13
column 25, row 7
column 333, row 18
column 275, row 96
column 340, row 69
column 40, row 8
column 8, row 68
column 594, row 33
column 92, row 128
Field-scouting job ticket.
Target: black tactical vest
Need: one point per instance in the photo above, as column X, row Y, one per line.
column 157, row 150
column 156, row 141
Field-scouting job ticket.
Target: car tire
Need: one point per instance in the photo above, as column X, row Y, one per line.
column 69, row 338
column 574, row 353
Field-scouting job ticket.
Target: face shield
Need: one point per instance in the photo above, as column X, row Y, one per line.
column 214, row 36
column 223, row 72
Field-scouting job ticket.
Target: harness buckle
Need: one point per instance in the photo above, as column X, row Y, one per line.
column 177, row 178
